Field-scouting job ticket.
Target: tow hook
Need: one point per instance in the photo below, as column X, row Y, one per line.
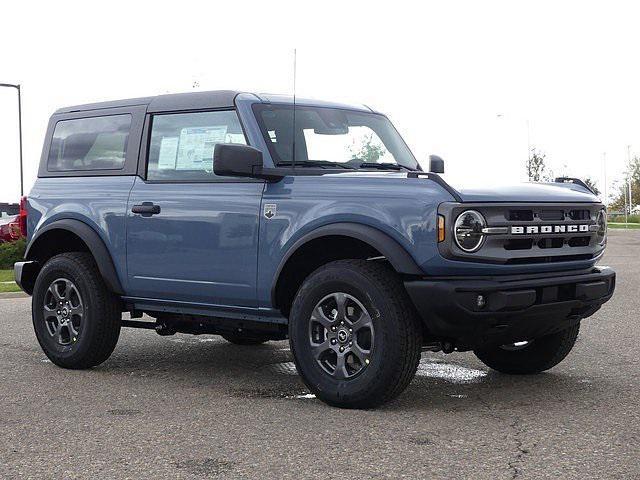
column 164, row 330
column 448, row 347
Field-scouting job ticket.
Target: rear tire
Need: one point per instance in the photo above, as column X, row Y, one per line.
column 539, row 355
column 354, row 335
column 238, row 339
column 75, row 317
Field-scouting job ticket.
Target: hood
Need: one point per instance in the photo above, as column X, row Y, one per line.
column 496, row 193
column 527, row 192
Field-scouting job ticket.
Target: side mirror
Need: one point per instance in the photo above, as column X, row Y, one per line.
column 235, row 160
column 436, row 164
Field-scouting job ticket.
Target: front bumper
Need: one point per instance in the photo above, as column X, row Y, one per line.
column 475, row 311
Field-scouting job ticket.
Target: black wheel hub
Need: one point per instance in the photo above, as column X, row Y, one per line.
column 341, row 335
column 63, row 311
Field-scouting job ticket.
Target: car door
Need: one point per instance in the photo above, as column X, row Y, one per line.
column 192, row 236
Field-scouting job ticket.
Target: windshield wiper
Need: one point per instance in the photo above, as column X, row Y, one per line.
column 383, row 166
column 315, row 163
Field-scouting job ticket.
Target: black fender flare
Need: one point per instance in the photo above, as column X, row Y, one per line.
column 96, row 246
column 395, row 253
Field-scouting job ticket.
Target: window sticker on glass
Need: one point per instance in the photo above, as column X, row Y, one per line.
column 195, row 147
column 168, row 153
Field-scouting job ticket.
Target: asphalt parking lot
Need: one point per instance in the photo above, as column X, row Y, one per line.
column 198, row 407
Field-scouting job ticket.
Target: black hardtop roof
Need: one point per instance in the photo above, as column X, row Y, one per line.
column 200, row 101
column 164, row 103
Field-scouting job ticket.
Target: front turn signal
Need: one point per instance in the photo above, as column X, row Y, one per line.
column 440, row 228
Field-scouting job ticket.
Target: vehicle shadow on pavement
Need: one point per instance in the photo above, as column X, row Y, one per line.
column 447, row 383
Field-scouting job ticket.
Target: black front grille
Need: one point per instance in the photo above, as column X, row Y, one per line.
column 529, row 233
column 541, row 243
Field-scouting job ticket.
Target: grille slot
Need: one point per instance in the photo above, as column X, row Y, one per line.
column 521, row 215
column 518, row 244
column 579, row 241
column 579, row 215
column 548, row 215
column 556, row 242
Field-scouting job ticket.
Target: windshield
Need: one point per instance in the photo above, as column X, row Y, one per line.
column 332, row 137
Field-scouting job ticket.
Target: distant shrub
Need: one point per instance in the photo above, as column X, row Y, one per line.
column 620, row 218
column 11, row 253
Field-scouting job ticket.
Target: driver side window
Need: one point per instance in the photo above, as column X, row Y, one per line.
column 181, row 145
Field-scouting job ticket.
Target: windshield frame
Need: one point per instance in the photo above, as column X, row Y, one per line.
column 258, row 108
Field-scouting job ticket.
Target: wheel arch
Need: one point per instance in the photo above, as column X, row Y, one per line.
column 76, row 235
column 373, row 242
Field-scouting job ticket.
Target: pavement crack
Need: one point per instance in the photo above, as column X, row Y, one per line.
column 515, row 465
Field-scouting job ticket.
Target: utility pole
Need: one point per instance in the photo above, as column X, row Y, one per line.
column 604, row 166
column 17, row 87
column 629, row 177
column 528, row 148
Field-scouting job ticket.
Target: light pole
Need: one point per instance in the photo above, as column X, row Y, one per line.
column 629, row 178
column 604, row 165
column 17, row 87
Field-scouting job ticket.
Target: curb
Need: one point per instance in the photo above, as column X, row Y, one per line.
column 9, row 295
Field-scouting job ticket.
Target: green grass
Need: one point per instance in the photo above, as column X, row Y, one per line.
column 624, row 225
column 7, row 276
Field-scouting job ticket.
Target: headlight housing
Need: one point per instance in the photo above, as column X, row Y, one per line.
column 467, row 231
column 601, row 222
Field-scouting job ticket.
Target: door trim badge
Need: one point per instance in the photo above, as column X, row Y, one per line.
column 269, row 210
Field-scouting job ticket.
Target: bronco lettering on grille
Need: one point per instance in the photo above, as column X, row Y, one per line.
column 537, row 229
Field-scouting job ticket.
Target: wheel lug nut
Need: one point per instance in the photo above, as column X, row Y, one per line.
column 351, row 330
column 341, row 349
column 333, row 328
column 351, row 344
column 333, row 341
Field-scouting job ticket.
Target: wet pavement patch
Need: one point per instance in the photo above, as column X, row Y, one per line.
column 208, row 467
column 433, row 368
column 124, row 412
column 270, row 392
column 450, row 372
column 303, row 396
column 421, row 441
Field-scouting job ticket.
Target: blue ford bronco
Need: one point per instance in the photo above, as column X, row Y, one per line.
column 260, row 218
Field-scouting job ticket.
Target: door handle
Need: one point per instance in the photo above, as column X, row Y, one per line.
column 146, row 209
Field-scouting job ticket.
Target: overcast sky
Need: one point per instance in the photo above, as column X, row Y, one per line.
column 459, row 79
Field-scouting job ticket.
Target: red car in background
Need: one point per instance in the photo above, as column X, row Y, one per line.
column 10, row 228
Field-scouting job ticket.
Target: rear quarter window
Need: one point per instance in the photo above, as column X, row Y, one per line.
column 85, row 144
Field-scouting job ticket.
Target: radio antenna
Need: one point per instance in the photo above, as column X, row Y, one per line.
column 293, row 138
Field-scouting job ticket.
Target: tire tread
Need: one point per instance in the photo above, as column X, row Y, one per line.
column 410, row 331
column 106, row 310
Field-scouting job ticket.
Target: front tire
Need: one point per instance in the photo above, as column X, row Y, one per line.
column 75, row 317
column 354, row 335
column 536, row 356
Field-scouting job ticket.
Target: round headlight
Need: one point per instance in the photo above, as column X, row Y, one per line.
column 601, row 221
column 468, row 230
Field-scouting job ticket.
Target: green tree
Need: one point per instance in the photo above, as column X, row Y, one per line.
column 369, row 150
column 536, row 166
column 592, row 185
column 621, row 189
